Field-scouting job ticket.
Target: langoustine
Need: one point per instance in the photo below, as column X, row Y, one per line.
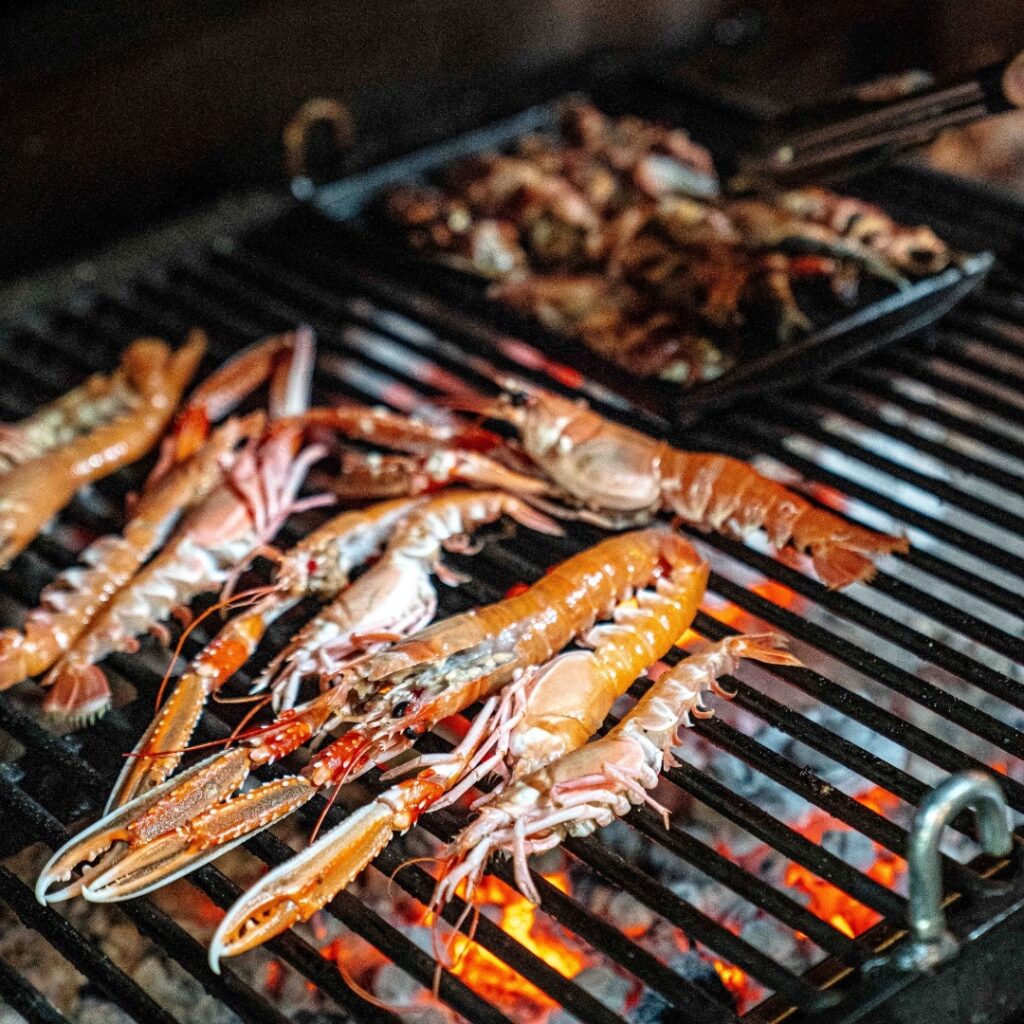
column 318, row 566
column 618, row 476
column 534, row 720
column 143, row 394
column 591, row 786
column 389, row 699
column 393, row 599
column 243, row 510
column 191, row 463
column 396, row 597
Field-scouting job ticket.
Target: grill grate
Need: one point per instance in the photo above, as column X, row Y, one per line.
column 923, row 439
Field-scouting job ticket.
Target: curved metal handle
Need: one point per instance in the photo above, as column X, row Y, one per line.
column 931, row 943
column 319, row 109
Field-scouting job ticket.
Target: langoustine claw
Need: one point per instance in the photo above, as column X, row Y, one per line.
column 532, row 722
column 392, row 599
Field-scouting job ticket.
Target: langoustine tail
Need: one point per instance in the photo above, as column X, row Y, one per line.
column 716, row 492
column 80, row 693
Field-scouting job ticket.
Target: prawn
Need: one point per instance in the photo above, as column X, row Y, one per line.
column 244, row 510
column 618, row 476
column 393, row 599
column 589, row 787
column 389, row 699
column 143, row 394
column 562, row 705
column 396, row 598
column 191, row 463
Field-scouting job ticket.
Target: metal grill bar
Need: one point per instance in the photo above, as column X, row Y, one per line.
column 969, row 387
column 25, row 999
column 854, row 407
column 77, row 949
column 810, row 425
column 875, row 381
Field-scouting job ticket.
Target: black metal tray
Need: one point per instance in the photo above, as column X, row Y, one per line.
column 873, row 324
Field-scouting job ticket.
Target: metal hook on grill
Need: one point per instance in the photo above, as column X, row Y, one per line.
column 295, row 137
column 931, row 943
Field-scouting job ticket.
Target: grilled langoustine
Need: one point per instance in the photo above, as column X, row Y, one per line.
column 592, row 785
column 191, row 463
column 108, row 423
column 616, row 476
column 388, row 700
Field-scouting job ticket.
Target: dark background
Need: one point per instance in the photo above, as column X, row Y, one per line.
column 115, row 112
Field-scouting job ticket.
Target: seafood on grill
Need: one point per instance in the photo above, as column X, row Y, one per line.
column 388, row 701
column 243, row 511
column 393, row 599
column 371, row 475
column 615, row 232
column 104, row 425
column 191, row 463
column 318, row 567
column 589, row 787
column 396, row 597
column 265, row 362
column 617, row 476
column 533, row 721
column 913, row 250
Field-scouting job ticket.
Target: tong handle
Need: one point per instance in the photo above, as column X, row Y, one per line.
column 991, row 81
column 887, row 129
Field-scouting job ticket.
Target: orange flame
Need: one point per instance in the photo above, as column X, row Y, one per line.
column 826, row 901
column 494, row 980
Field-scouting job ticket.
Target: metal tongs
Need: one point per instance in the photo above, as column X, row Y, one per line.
column 875, row 136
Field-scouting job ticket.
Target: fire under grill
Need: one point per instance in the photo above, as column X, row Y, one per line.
column 793, row 803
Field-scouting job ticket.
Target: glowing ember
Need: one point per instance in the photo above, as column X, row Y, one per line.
column 824, row 900
column 738, row 983
column 744, row 621
column 274, row 980
column 494, row 980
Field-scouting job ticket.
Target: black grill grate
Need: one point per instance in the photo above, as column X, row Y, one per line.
column 926, row 438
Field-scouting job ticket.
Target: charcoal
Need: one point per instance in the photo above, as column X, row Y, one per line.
column 606, row 985
column 696, row 970
column 98, row 1011
column 855, row 848
column 392, row 985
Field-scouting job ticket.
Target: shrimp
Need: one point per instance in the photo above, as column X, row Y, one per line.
column 72, row 601
column 390, row 699
column 618, row 476
column 148, row 386
column 764, row 226
column 562, row 707
column 590, row 786
column 242, row 512
column 396, row 597
column 190, row 465
column 914, row 250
